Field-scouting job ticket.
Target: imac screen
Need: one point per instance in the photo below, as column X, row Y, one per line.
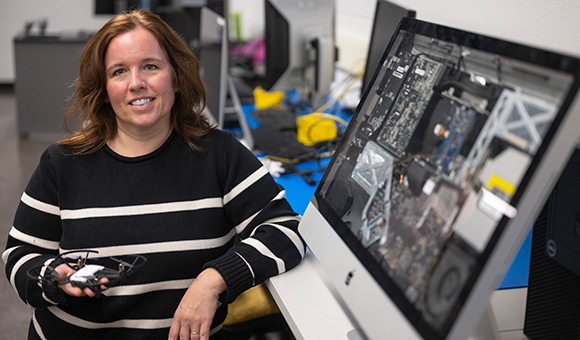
column 436, row 159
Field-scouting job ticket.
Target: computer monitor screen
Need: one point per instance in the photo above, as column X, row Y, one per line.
column 213, row 55
column 446, row 162
column 387, row 17
column 299, row 45
column 115, row 6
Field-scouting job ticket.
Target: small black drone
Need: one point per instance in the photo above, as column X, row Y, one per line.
column 89, row 275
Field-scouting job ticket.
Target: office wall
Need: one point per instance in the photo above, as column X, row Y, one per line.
column 63, row 14
column 553, row 25
column 549, row 24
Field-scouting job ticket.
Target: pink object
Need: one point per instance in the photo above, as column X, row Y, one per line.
column 254, row 48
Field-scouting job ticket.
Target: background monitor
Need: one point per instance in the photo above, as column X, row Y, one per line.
column 185, row 16
column 214, row 70
column 387, row 17
column 299, row 51
column 115, row 6
column 213, row 56
column 445, row 164
column 186, row 21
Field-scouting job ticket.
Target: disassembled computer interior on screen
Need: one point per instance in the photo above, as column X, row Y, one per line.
column 428, row 172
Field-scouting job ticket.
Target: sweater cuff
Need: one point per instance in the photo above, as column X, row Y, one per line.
column 235, row 272
column 51, row 288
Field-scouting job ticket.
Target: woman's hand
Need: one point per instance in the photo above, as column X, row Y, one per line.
column 65, row 271
column 193, row 317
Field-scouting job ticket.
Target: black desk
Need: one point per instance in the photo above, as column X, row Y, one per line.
column 46, row 66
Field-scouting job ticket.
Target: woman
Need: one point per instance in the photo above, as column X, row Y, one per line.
column 145, row 174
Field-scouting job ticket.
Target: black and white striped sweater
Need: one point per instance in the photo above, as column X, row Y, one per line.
column 182, row 210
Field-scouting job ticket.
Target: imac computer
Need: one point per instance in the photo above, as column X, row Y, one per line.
column 449, row 157
column 387, row 17
column 299, row 46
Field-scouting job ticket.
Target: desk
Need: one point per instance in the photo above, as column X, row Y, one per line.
column 312, row 312
column 307, row 304
column 46, row 66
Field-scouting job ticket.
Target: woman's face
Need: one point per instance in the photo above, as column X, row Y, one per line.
column 139, row 82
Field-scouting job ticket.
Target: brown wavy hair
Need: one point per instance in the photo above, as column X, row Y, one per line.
column 90, row 110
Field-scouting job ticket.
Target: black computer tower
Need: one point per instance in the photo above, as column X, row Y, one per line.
column 553, row 302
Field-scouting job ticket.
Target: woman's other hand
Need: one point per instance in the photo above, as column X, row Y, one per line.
column 193, row 317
